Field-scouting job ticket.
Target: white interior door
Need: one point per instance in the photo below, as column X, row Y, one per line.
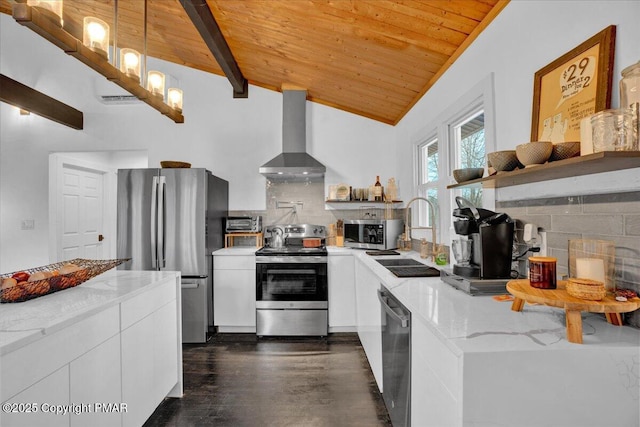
column 81, row 210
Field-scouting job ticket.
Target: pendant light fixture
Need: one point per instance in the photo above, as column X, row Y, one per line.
column 129, row 68
column 130, row 63
column 174, row 98
column 155, row 83
column 53, row 6
column 95, row 35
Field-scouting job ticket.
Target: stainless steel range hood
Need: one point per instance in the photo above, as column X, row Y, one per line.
column 293, row 163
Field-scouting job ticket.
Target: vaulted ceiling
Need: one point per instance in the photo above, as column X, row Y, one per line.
column 374, row 58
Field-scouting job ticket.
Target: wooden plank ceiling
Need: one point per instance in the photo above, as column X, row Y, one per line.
column 374, row 58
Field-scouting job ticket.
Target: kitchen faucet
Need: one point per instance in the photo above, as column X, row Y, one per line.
column 408, row 228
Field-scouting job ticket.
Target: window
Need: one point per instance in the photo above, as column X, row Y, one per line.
column 459, row 138
column 428, row 181
column 468, row 148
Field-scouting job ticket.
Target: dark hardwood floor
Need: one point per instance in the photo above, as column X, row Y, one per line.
column 239, row 380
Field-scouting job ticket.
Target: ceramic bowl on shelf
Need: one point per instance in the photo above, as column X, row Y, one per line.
column 467, row 174
column 565, row 150
column 505, row 160
column 534, row 153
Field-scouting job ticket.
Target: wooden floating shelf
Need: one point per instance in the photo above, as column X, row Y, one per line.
column 39, row 21
column 606, row 161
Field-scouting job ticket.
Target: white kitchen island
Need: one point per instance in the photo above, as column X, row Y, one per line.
column 475, row 362
column 104, row 353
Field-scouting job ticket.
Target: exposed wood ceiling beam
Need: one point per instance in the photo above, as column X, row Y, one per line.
column 26, row 98
column 203, row 19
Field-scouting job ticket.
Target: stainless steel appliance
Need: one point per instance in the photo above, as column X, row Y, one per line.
column 243, row 224
column 172, row 219
column 491, row 236
column 396, row 358
column 372, row 233
column 291, row 283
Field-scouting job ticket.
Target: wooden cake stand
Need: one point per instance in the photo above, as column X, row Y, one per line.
column 572, row 306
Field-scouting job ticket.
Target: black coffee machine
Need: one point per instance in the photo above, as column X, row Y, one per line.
column 491, row 234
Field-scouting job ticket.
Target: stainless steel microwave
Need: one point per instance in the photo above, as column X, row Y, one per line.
column 372, row 233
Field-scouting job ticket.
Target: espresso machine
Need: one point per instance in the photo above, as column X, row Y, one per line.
column 484, row 251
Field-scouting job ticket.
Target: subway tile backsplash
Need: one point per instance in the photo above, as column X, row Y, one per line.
column 614, row 217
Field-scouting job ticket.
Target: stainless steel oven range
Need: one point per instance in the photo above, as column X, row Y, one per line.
column 291, row 282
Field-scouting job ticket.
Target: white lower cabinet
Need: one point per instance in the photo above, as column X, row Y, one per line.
column 342, row 293
column 234, row 293
column 95, row 378
column 435, row 380
column 369, row 314
column 109, row 369
column 33, row 406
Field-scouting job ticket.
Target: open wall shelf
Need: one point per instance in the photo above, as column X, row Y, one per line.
column 606, row 161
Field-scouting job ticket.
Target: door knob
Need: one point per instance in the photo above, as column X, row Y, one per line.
column 100, row 237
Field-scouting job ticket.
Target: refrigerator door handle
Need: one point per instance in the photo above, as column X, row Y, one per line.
column 162, row 210
column 154, row 222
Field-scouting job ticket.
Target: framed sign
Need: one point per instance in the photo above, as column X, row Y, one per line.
column 572, row 87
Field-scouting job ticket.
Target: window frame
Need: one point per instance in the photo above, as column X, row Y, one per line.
column 479, row 97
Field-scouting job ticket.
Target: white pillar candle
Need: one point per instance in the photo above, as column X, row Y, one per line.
column 590, row 268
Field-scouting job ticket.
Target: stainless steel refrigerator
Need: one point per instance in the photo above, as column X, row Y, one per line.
column 172, row 219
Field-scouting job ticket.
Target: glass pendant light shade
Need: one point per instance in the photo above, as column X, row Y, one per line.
column 95, row 35
column 54, row 6
column 174, row 98
column 155, row 83
column 130, row 63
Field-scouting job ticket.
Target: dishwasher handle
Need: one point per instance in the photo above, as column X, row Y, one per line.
column 400, row 317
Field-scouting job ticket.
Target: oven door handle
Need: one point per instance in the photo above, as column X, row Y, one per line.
column 400, row 317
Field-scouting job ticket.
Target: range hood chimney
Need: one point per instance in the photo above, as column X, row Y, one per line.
column 293, row 163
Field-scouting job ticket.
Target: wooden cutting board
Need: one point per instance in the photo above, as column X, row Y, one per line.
column 524, row 292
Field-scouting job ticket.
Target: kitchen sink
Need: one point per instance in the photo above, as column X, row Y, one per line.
column 397, row 262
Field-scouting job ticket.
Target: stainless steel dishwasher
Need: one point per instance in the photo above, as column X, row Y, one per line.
column 396, row 358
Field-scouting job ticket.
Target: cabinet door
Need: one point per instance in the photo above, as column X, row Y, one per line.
column 39, row 401
column 369, row 315
column 234, row 299
column 342, row 293
column 149, row 360
column 95, row 378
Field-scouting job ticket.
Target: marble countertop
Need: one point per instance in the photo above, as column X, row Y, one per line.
column 25, row 322
column 468, row 323
column 236, row 250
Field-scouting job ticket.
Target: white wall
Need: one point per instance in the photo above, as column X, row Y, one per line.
column 526, row 36
column 230, row 137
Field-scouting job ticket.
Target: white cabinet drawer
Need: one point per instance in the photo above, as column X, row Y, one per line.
column 234, row 262
column 27, row 365
column 137, row 308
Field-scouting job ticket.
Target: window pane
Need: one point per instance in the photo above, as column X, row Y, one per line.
column 423, row 209
column 471, row 142
column 429, row 161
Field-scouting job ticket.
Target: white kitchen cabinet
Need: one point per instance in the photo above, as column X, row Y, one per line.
column 114, row 341
column 33, row 406
column 342, row 293
column 96, row 377
column 234, row 293
column 435, row 380
column 369, row 315
column 149, row 352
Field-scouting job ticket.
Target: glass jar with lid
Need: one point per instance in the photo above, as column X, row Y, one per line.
column 630, row 94
column 630, row 86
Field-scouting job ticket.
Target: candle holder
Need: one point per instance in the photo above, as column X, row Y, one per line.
column 155, row 83
column 95, row 36
column 130, row 63
column 593, row 259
